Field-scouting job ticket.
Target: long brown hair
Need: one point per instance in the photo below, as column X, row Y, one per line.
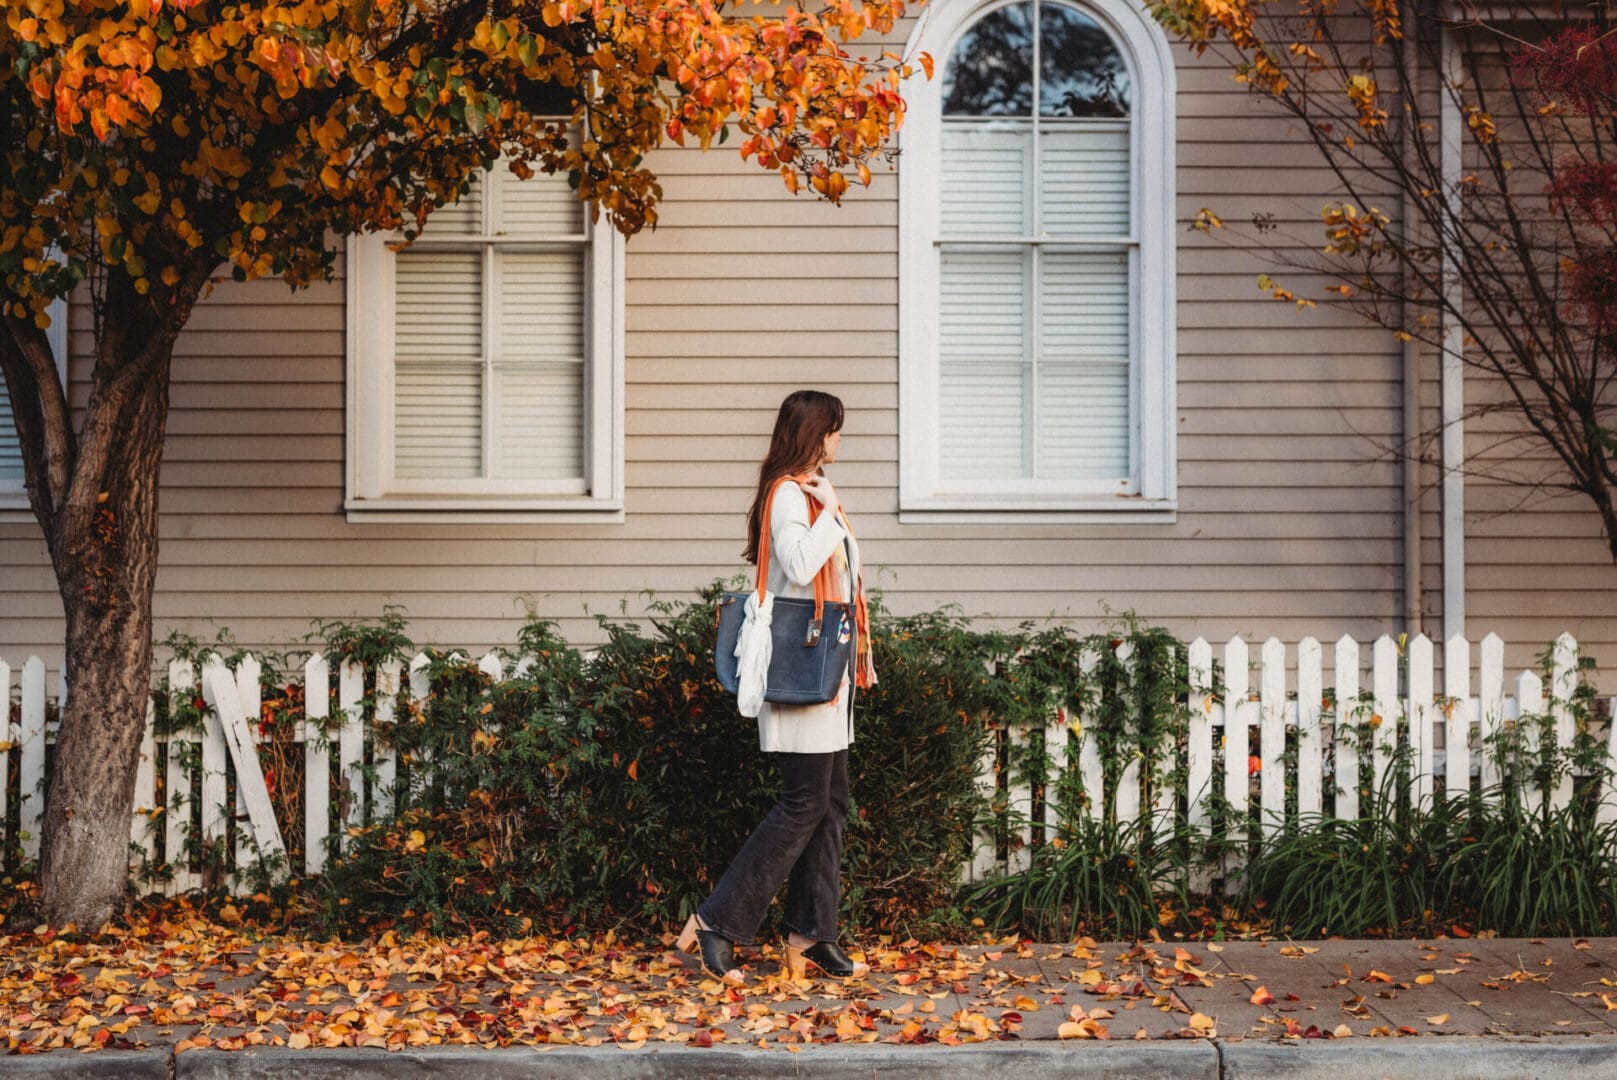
column 806, row 417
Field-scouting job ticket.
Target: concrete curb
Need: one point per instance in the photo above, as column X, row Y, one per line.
column 1032, row 1061
column 1439, row 1058
column 1442, row 1058
column 152, row 1064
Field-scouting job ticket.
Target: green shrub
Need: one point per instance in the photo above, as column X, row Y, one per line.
column 615, row 788
column 619, row 786
column 921, row 734
column 485, row 770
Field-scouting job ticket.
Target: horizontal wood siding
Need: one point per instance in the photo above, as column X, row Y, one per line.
column 1289, row 520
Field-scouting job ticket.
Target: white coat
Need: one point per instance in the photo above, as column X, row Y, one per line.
column 797, row 550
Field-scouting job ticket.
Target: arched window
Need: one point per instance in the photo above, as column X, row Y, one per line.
column 1036, row 263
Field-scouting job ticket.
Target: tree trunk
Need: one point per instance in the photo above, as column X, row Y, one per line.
column 105, row 557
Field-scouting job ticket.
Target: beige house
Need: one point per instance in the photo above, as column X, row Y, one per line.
column 1062, row 400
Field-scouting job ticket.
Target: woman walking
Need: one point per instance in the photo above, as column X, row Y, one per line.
column 799, row 842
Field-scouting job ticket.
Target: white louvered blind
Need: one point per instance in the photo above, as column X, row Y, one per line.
column 986, row 169
column 539, row 378
column 438, row 364
column 1083, row 388
column 1034, row 336
column 463, row 217
column 11, row 475
column 983, row 370
column 542, row 206
column 1084, row 178
column 489, row 349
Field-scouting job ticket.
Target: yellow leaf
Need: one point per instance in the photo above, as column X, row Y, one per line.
column 1424, row 979
column 299, row 1040
column 1071, row 1030
column 1441, row 1018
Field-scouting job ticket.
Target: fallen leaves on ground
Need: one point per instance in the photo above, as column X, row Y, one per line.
column 228, row 985
column 176, row 974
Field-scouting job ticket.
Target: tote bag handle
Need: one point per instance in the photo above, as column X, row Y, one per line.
column 764, row 530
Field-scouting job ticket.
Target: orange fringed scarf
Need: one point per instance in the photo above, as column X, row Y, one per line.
column 825, row 584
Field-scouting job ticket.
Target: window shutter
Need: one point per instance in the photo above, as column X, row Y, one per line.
column 499, row 397
column 985, row 179
column 463, row 217
column 541, row 421
column 541, row 307
column 1084, row 306
column 983, row 410
column 1083, row 389
column 1084, row 178
column 1083, row 421
column 11, row 472
column 539, row 376
column 983, row 369
column 438, row 376
column 542, row 206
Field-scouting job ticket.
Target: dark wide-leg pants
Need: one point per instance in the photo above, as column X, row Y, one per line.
column 799, row 842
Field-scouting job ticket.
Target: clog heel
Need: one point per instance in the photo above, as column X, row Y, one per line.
column 825, row 956
column 717, row 952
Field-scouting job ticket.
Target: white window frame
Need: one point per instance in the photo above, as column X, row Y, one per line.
column 1151, row 491
column 14, row 493
column 373, row 494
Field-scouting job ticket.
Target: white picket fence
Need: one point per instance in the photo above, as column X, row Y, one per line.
column 1291, row 695
column 200, row 769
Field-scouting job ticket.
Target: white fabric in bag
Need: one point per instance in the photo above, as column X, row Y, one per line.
column 753, row 648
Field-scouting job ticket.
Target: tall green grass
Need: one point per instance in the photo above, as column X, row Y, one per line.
column 1525, row 874
column 1096, row 878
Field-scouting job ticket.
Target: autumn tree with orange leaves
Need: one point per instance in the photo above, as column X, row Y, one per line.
column 149, row 145
column 1503, row 256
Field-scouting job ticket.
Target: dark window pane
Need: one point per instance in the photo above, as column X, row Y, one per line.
column 1081, row 72
column 990, row 72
